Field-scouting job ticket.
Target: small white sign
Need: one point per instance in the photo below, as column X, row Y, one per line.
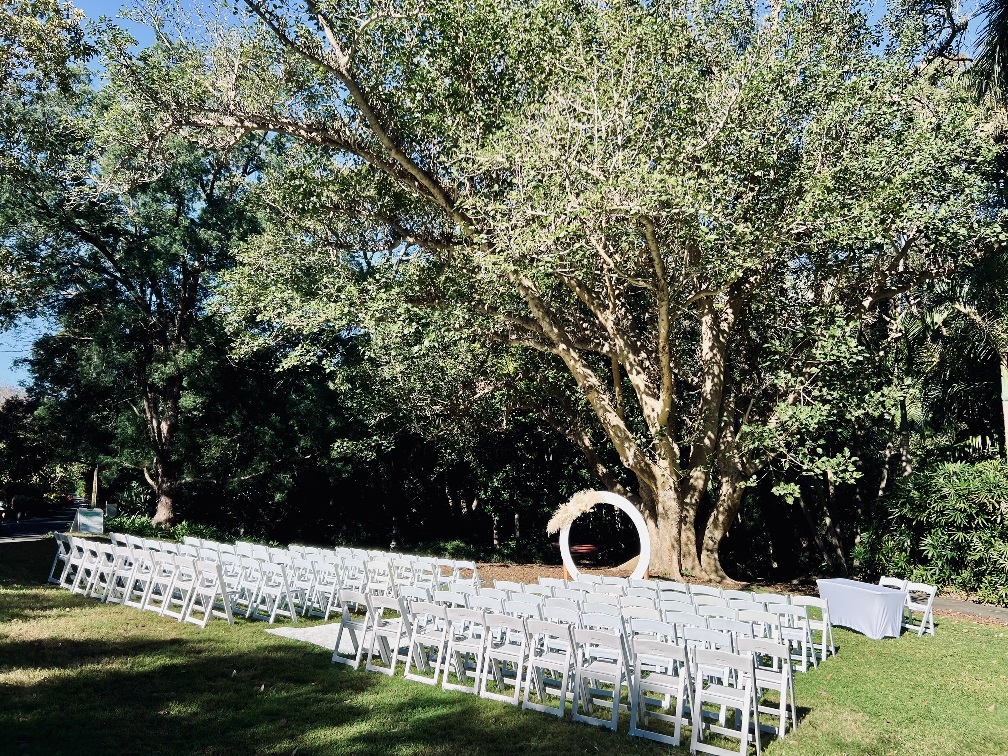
column 91, row 521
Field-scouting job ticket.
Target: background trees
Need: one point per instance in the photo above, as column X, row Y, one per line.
column 457, row 262
column 649, row 203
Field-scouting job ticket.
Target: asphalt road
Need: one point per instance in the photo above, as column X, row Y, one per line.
column 35, row 528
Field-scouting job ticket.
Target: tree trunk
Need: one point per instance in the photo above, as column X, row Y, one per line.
column 662, row 514
column 906, row 462
column 689, row 556
column 718, row 524
column 164, row 482
column 1003, row 359
column 814, row 530
column 833, row 534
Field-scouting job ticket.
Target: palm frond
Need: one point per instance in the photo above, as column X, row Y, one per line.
column 989, row 72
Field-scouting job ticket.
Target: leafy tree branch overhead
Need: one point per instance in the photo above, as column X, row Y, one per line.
column 664, row 202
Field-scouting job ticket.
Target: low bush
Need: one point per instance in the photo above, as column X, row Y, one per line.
column 946, row 525
column 140, row 525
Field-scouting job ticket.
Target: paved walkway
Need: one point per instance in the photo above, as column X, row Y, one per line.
column 35, row 528
column 986, row 611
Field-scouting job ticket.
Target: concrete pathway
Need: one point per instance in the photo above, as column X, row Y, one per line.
column 986, row 611
column 35, row 528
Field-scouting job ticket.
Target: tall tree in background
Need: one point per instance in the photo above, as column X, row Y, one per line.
column 118, row 247
column 651, row 198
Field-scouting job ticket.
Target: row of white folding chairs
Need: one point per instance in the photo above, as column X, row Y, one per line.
column 675, row 600
column 728, row 605
column 405, row 569
column 260, row 588
column 540, row 657
column 172, row 585
column 788, row 624
column 919, row 599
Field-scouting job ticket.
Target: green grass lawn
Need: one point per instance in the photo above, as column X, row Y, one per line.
column 80, row 677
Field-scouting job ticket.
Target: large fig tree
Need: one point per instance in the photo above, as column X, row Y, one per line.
column 674, row 204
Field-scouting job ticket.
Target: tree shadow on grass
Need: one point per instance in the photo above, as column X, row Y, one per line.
column 190, row 695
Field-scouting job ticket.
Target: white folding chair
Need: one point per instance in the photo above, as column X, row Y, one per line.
column 522, row 609
column 742, row 699
column 451, row 598
column 795, row 630
column 561, row 615
column 716, row 610
column 121, row 571
column 653, row 629
column 466, row 648
column 411, row 593
column 737, row 629
column 553, row 582
column 628, row 600
column 706, row 599
column 550, row 666
column 562, row 604
column 87, row 569
column 772, row 598
column 159, row 584
column 766, row 625
column 662, row 669
column 684, row 619
column 355, row 627
column 887, row 581
column 180, row 592
column 104, row 574
column 507, row 647
column 738, row 595
column 301, row 579
column 673, row 586
column 209, row 595
column 63, row 549
column 118, row 539
column 488, row 604
column 639, row 612
column 139, row 579
column 600, row 672
column 750, row 606
column 324, row 596
column 462, row 566
column 612, row 589
column 247, row 584
column 509, row 585
column 819, row 624
column 495, row 593
column 429, row 637
column 677, row 607
column 704, row 590
column 570, row 594
column 390, row 633
column 379, row 577
column 915, row 604
column 644, row 591
column 773, row 673
column 544, row 591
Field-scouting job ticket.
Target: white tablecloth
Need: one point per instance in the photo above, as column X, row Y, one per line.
column 869, row 609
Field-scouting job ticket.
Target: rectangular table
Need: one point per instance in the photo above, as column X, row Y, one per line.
column 869, row 609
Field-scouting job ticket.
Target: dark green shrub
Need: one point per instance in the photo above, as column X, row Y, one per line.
column 946, row 525
column 140, row 525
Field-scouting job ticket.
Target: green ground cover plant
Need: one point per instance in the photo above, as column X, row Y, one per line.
column 80, row 677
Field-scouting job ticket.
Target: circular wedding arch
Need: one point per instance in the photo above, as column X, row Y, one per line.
column 621, row 503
